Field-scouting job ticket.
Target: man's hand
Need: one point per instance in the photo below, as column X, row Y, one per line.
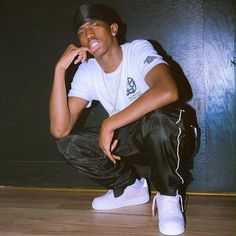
column 105, row 141
column 70, row 55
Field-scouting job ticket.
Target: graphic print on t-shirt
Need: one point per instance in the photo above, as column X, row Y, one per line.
column 149, row 59
column 131, row 89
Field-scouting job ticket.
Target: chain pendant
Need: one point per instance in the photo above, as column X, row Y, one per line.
column 113, row 105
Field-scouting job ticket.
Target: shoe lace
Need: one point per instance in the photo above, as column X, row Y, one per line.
column 171, row 204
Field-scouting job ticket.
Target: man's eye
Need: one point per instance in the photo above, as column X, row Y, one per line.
column 81, row 33
column 95, row 24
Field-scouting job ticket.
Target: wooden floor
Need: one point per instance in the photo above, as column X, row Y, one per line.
column 57, row 212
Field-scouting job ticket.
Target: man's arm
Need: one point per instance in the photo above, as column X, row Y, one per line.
column 65, row 111
column 162, row 91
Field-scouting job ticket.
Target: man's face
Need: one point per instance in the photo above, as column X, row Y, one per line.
column 96, row 35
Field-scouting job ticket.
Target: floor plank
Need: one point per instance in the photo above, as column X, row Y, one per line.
column 35, row 212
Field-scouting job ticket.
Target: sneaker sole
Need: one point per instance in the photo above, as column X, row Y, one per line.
column 171, row 232
column 131, row 202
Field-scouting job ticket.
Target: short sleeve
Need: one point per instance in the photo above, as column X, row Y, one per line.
column 81, row 85
column 145, row 56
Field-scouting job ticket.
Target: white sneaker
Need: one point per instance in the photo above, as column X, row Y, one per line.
column 170, row 216
column 132, row 195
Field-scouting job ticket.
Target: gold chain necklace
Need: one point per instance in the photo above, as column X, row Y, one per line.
column 113, row 105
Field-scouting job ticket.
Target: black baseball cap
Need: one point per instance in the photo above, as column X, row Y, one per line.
column 89, row 12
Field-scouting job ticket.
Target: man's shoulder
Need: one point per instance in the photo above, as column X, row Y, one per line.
column 136, row 42
column 90, row 64
column 86, row 69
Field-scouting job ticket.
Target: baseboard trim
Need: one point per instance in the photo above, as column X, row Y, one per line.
column 231, row 194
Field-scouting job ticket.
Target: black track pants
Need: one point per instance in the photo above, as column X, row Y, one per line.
column 159, row 136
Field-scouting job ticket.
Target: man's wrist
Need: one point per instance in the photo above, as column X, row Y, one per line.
column 59, row 70
column 112, row 123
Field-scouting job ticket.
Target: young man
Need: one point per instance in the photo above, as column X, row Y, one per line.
column 135, row 86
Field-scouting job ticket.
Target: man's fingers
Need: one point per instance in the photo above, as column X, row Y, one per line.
column 114, row 144
column 78, row 59
column 116, row 157
column 82, row 56
column 81, row 53
column 110, row 156
column 108, row 153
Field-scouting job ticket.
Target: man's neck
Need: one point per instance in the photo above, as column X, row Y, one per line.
column 111, row 60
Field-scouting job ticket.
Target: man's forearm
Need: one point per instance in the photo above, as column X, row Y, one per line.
column 58, row 105
column 162, row 91
column 152, row 99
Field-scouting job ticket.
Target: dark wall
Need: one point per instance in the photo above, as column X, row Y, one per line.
column 197, row 34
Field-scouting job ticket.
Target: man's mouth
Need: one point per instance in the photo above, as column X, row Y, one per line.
column 94, row 45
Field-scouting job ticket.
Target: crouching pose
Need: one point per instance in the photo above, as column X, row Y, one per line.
column 135, row 86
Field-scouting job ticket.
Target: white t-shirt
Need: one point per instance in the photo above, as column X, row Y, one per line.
column 118, row 89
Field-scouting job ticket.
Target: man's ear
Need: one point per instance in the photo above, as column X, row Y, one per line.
column 114, row 29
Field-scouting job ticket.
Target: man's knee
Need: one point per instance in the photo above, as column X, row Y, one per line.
column 62, row 144
column 158, row 124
